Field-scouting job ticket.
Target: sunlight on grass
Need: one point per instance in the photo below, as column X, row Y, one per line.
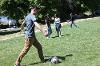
column 83, row 43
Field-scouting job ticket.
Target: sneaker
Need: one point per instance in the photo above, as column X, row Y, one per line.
column 17, row 65
column 59, row 35
column 47, row 37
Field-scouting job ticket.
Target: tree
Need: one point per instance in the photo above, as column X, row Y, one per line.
column 19, row 8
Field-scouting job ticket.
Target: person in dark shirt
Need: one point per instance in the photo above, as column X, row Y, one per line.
column 48, row 23
column 72, row 19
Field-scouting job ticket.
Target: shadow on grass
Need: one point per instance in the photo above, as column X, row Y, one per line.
column 35, row 63
column 48, row 59
column 8, row 32
column 32, row 64
column 61, row 35
column 60, row 57
column 55, row 37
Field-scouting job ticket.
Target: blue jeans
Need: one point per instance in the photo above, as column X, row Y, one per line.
column 58, row 26
column 49, row 31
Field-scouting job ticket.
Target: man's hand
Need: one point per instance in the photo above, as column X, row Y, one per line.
column 45, row 32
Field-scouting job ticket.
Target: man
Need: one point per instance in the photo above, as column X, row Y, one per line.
column 30, row 39
column 73, row 16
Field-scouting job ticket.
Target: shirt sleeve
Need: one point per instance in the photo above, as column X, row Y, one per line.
column 33, row 18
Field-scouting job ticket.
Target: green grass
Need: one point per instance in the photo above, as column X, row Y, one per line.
column 83, row 43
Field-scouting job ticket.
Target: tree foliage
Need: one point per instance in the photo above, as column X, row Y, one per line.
column 19, row 8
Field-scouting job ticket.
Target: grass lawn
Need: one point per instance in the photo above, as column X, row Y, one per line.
column 83, row 43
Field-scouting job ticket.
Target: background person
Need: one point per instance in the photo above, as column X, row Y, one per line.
column 57, row 25
column 48, row 23
column 72, row 19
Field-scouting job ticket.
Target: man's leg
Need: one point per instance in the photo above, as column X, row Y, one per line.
column 26, row 48
column 71, row 24
column 38, row 46
column 59, row 32
column 59, row 29
column 74, row 24
column 49, row 31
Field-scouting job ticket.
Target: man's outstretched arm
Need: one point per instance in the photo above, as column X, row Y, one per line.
column 40, row 28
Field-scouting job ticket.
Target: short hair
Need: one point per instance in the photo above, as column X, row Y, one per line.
column 33, row 6
column 56, row 15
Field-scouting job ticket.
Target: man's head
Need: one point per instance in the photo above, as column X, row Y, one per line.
column 34, row 9
column 56, row 15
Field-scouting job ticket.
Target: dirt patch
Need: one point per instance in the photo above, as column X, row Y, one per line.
column 18, row 34
column 9, row 36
